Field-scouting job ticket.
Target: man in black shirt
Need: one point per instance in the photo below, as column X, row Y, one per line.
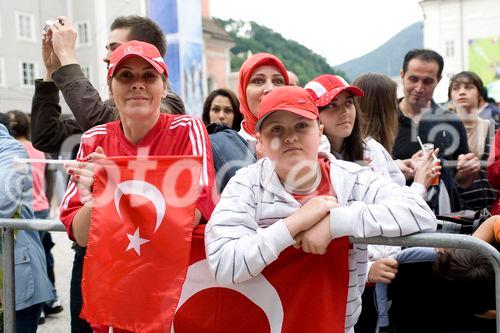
column 420, row 116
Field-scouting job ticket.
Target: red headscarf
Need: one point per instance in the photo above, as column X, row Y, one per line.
column 246, row 71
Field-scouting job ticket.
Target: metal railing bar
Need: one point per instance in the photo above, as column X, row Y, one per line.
column 422, row 239
column 34, row 224
column 449, row 241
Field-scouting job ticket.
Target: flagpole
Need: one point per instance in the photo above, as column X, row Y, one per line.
column 40, row 160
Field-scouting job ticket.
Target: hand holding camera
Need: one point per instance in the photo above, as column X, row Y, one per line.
column 50, row 59
column 59, row 43
column 49, row 23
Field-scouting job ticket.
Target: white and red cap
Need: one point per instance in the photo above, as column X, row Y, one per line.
column 326, row 87
column 136, row 48
column 287, row 98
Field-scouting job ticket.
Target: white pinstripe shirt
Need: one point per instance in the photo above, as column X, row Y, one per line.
column 246, row 231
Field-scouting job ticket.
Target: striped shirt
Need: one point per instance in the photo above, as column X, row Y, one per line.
column 246, row 231
column 171, row 135
column 480, row 194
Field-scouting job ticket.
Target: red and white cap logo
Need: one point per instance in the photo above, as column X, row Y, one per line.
column 324, row 88
column 140, row 49
column 136, row 49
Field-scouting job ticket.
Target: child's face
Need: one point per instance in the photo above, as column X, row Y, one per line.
column 289, row 140
column 339, row 116
column 464, row 95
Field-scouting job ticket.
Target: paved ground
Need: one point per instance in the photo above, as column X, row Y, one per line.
column 63, row 257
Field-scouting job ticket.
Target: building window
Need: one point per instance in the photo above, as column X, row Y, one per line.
column 86, row 71
column 28, row 74
column 211, row 84
column 83, row 30
column 450, row 48
column 2, row 73
column 25, row 26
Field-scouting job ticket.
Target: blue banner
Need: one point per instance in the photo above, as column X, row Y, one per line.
column 181, row 21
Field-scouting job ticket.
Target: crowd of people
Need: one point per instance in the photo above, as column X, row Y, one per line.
column 320, row 162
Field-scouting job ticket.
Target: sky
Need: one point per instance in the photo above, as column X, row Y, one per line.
column 339, row 30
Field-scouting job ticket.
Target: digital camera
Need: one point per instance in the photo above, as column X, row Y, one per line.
column 50, row 22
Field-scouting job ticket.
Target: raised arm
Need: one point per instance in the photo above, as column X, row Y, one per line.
column 82, row 98
column 48, row 128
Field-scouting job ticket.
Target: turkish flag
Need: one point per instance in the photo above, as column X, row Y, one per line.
column 139, row 243
column 298, row 292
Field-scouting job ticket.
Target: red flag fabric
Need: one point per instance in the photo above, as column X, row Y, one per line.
column 139, row 243
column 298, row 292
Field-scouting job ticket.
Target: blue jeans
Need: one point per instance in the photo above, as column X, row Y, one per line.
column 27, row 319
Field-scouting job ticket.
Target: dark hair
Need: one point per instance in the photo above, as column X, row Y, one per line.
column 143, row 29
column 468, row 275
column 19, row 123
column 378, row 108
column 467, row 77
column 235, row 105
column 353, row 146
column 4, row 121
column 425, row 55
column 484, row 94
column 174, row 103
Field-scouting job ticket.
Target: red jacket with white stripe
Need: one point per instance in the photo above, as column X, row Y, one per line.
column 171, row 135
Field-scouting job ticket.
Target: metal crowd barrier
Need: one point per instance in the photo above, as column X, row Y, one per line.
column 8, row 226
column 425, row 240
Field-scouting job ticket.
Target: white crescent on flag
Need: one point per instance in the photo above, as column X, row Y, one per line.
column 145, row 189
column 258, row 290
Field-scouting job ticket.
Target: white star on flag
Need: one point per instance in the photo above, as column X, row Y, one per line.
column 136, row 242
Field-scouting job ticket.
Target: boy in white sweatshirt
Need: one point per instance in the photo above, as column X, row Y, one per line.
column 298, row 197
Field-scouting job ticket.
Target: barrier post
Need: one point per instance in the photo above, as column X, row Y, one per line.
column 9, row 303
column 9, row 296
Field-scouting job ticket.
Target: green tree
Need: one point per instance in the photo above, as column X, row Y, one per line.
column 296, row 57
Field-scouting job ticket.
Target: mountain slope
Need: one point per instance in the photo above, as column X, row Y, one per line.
column 387, row 58
column 251, row 37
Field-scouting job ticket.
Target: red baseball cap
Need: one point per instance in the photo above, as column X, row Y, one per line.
column 287, row 98
column 136, row 48
column 326, row 87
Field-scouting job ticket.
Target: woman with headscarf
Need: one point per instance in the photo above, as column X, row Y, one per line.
column 232, row 150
